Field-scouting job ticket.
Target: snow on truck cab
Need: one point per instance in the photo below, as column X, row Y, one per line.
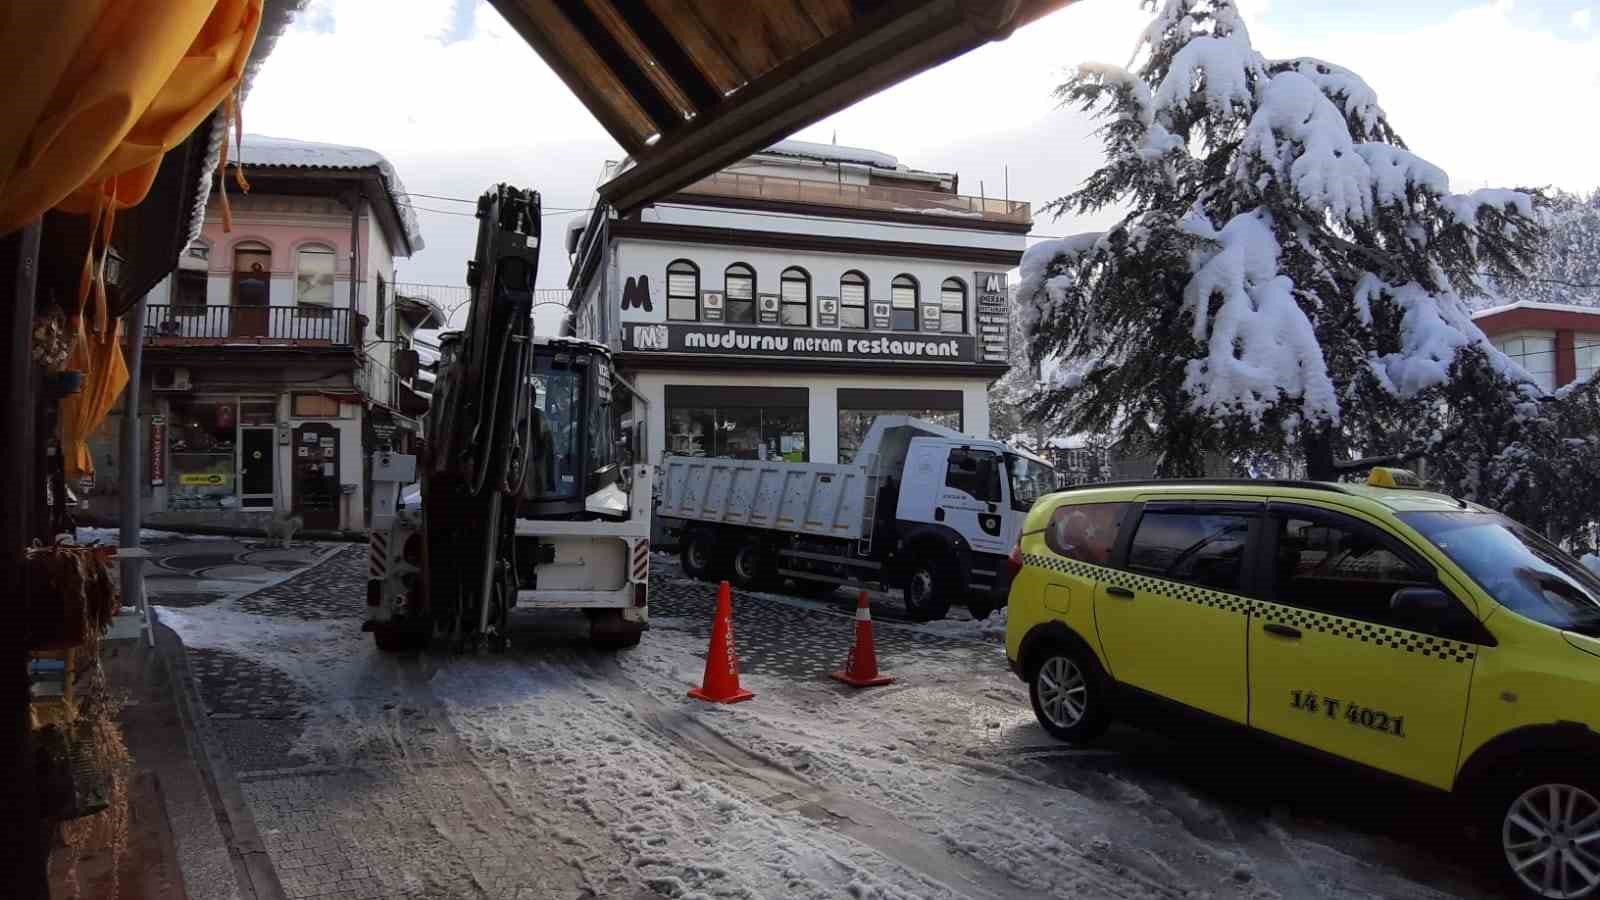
column 920, row 507
column 524, row 501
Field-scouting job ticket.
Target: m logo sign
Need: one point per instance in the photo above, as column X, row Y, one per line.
column 650, row 337
column 636, row 293
column 994, row 283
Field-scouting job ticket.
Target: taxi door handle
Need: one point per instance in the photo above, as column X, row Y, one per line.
column 1284, row 631
column 1122, row 592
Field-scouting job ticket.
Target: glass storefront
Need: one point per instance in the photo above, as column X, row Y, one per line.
column 203, row 447
column 858, row 408
column 741, row 423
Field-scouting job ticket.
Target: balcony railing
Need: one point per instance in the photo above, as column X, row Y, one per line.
column 956, row 207
column 273, row 326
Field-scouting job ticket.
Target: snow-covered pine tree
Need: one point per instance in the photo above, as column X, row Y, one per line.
column 1568, row 270
column 1288, row 277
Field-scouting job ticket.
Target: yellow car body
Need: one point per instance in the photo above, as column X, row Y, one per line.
column 1351, row 619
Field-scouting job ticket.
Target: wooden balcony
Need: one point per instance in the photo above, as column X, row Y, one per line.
column 249, row 326
column 954, row 208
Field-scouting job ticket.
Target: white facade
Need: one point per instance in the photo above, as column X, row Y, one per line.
column 801, row 382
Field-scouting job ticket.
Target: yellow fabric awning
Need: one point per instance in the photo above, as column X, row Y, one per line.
column 99, row 357
column 99, row 90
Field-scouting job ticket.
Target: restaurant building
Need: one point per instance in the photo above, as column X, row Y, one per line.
column 773, row 309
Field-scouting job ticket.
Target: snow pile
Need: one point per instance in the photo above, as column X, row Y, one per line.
column 1592, row 562
column 94, row 535
column 323, row 655
column 834, row 153
column 1262, row 347
column 959, row 624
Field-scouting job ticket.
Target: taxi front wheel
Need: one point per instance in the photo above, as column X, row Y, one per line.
column 1068, row 690
column 1545, row 823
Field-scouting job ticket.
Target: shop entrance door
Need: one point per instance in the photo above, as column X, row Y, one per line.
column 255, row 467
column 316, row 475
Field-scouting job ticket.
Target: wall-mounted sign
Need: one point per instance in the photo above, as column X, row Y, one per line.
column 880, row 316
column 711, row 306
column 203, row 479
column 798, row 343
column 827, row 312
column 768, row 309
column 930, row 317
column 993, row 315
column 158, row 451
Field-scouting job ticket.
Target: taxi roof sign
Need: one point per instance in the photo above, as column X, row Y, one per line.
column 1384, row 477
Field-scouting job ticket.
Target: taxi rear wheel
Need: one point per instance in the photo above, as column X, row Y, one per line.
column 1545, row 825
column 1069, row 694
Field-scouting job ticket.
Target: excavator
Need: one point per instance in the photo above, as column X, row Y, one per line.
column 526, row 504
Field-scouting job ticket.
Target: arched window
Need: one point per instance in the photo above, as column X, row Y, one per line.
column 953, row 306
column 903, row 299
column 313, row 278
column 739, row 290
column 683, row 291
column 796, row 297
column 853, row 300
column 252, row 288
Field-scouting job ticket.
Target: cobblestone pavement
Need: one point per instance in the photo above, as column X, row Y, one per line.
column 797, row 642
column 234, row 687
column 333, row 589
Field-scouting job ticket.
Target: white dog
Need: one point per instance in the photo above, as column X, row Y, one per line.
column 284, row 526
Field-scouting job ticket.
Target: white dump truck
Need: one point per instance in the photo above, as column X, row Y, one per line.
column 921, row 507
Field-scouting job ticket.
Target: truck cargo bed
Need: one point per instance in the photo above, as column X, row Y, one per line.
column 821, row 499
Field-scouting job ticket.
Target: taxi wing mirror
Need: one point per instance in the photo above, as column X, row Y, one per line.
column 1420, row 601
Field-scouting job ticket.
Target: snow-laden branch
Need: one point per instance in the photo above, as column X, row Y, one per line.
column 1261, row 346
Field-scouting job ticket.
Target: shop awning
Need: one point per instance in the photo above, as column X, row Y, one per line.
column 689, row 86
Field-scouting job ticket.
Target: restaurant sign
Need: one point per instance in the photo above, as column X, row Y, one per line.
column 797, row 343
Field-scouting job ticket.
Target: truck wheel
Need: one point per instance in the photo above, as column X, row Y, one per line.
column 701, row 555
column 399, row 638
column 1069, row 693
column 927, row 590
column 749, row 566
column 609, row 631
column 1544, row 823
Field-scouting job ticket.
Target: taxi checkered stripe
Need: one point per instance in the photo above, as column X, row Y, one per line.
column 1308, row 620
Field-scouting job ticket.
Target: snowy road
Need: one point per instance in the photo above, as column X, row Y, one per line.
column 554, row 771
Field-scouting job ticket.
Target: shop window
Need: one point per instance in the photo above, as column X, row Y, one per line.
column 853, row 300
column 796, row 296
column 738, row 422
column 258, row 412
column 200, row 437
column 189, row 292
column 683, row 291
column 739, row 290
column 953, row 306
column 383, row 307
column 313, row 280
column 314, row 406
column 1587, row 349
column 1536, row 354
column 903, row 300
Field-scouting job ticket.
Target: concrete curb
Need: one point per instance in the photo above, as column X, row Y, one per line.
column 253, row 871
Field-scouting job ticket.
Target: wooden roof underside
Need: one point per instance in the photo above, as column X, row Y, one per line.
column 688, row 86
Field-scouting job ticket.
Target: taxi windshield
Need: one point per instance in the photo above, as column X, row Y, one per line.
column 1030, row 480
column 1522, row 570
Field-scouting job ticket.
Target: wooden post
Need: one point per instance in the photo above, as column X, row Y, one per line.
column 24, row 835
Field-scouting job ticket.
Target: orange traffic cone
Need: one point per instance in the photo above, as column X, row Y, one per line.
column 861, row 666
column 721, row 681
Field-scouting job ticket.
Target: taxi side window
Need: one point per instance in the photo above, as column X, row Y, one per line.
column 1201, row 548
column 1086, row 531
column 1343, row 568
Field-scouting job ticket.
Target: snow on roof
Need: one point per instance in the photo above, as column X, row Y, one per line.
column 1529, row 304
column 287, row 153
column 834, row 153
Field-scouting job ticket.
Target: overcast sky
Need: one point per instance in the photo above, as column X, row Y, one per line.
column 1498, row 93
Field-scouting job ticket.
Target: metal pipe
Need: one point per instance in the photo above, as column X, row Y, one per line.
column 132, row 462
column 355, row 244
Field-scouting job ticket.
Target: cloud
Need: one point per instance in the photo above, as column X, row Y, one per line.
column 458, row 101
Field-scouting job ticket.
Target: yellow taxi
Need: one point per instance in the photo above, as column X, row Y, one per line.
column 1399, row 629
